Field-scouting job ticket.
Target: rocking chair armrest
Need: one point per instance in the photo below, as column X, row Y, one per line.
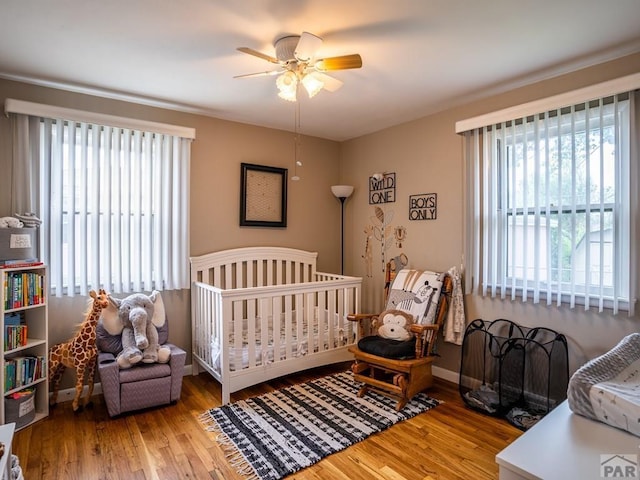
column 364, row 328
column 420, row 329
column 357, row 317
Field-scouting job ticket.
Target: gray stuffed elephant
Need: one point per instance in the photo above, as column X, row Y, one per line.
column 136, row 318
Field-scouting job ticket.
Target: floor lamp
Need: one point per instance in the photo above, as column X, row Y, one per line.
column 342, row 192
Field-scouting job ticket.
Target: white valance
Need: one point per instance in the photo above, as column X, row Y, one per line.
column 574, row 97
column 50, row 111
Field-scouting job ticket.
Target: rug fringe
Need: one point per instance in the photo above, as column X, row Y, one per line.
column 208, row 422
column 234, row 456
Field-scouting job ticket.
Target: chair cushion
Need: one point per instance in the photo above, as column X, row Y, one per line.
column 144, row 371
column 388, row 348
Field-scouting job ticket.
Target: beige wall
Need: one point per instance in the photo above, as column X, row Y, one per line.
column 426, row 156
column 219, row 148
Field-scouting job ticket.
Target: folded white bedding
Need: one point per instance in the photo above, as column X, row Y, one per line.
column 607, row 388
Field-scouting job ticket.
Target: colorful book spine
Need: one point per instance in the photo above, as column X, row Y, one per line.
column 22, row 289
column 15, row 336
column 21, row 371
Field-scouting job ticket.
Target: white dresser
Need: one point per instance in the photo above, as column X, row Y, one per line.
column 567, row 446
column 6, row 437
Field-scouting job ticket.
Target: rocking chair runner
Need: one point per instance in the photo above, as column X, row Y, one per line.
column 403, row 369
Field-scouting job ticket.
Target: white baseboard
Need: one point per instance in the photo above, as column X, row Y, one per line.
column 67, row 394
column 448, row 375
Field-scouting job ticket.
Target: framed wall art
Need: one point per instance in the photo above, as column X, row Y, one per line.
column 263, row 196
column 423, row 206
column 382, row 188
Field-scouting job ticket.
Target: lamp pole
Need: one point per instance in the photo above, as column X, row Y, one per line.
column 342, row 192
column 342, row 199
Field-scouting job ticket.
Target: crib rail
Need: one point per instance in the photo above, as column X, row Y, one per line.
column 254, row 267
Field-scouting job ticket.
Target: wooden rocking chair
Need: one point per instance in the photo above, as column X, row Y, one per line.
column 402, row 369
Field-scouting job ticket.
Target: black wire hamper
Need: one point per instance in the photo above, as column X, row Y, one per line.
column 513, row 371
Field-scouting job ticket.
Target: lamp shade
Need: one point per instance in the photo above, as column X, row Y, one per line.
column 287, row 84
column 342, row 191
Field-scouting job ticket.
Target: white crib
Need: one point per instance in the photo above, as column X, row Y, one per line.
column 259, row 313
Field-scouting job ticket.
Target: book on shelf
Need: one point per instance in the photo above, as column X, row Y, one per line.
column 13, row 318
column 21, row 393
column 15, row 336
column 20, row 371
column 20, row 263
column 23, row 289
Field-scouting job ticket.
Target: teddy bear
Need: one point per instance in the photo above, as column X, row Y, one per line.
column 395, row 325
column 136, row 318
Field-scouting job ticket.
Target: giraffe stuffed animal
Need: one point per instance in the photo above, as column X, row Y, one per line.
column 79, row 353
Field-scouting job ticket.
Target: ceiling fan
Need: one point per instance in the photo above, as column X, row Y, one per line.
column 295, row 57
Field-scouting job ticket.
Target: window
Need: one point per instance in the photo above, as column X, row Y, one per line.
column 115, row 207
column 554, row 205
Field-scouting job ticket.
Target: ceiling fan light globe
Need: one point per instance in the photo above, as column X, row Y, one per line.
column 287, row 84
column 312, row 84
column 288, row 95
column 287, row 81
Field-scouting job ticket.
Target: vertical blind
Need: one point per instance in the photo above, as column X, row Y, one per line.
column 114, row 201
column 118, row 208
column 549, row 211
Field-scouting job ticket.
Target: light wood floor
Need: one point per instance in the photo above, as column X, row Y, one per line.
column 448, row 442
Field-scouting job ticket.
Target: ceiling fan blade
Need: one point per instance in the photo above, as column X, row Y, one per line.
column 259, row 74
column 331, row 84
column 307, row 46
column 258, row 54
column 339, row 63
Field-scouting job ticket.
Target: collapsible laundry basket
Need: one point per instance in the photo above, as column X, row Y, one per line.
column 509, row 370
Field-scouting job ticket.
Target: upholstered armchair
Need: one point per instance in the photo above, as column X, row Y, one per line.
column 143, row 385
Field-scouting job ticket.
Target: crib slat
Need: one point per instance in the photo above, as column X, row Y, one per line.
column 320, row 315
column 236, row 322
column 260, row 273
column 250, row 330
column 228, row 276
column 331, row 319
column 265, row 317
column 288, row 324
column 308, row 312
column 298, row 309
column 276, row 312
column 269, row 267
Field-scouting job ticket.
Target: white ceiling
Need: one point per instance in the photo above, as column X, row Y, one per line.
column 419, row 56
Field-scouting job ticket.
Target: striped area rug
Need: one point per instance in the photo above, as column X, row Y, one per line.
column 276, row 434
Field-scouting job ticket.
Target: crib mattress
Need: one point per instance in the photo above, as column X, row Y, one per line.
column 263, row 356
column 607, row 388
